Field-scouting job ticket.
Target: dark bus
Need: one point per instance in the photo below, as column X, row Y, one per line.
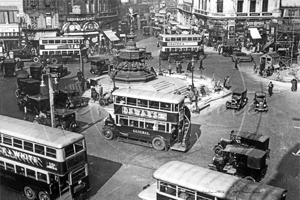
column 43, row 163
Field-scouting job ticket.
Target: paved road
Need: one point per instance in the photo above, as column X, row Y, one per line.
column 120, row 170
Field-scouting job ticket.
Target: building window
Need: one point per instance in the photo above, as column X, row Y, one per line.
column 8, row 17
column 204, row 4
column 219, row 5
column 265, row 5
column 240, row 5
column 252, row 5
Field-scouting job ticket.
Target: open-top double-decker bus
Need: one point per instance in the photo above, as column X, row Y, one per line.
column 44, row 163
column 154, row 118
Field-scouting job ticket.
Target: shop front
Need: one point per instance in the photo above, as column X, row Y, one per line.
column 217, row 30
column 10, row 38
column 86, row 27
column 109, row 39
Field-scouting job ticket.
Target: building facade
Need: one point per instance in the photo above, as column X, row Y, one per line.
column 11, row 13
column 230, row 19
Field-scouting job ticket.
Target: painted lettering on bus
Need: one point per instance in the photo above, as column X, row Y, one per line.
column 182, row 43
column 141, row 132
column 7, row 176
column 23, row 157
column 144, row 113
column 51, row 165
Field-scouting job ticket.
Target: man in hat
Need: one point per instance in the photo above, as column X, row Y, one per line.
column 270, row 88
column 79, row 75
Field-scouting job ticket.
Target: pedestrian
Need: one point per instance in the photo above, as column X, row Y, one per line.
column 189, row 66
column 270, row 90
column 180, row 68
column 177, row 67
column 79, row 75
column 219, row 48
column 236, row 64
column 293, row 85
column 226, row 83
column 201, row 65
column 296, row 85
column 94, row 93
column 100, row 90
column 254, row 68
column 170, row 69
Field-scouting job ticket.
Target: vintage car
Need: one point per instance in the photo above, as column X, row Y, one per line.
column 27, row 86
column 70, row 99
column 228, row 50
column 34, row 104
column 9, row 67
column 24, row 55
column 64, row 119
column 244, row 162
column 242, row 57
column 238, row 100
column 260, row 102
column 245, row 139
column 100, row 66
column 36, row 71
column 59, row 69
column 146, row 30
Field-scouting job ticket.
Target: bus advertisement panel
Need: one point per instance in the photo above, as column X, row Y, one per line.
column 178, row 180
column 42, row 162
column 62, row 49
column 156, row 119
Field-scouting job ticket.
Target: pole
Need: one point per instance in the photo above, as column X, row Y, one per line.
column 51, row 101
column 292, row 47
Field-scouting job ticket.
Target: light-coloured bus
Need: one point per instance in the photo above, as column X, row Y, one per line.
column 43, row 163
column 183, row 181
column 62, row 49
column 157, row 119
column 187, row 46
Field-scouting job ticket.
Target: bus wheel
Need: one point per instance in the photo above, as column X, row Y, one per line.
column 158, row 144
column 29, row 193
column 250, row 178
column 43, row 196
column 107, row 134
column 54, row 60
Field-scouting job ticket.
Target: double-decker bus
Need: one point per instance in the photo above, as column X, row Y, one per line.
column 182, row 45
column 148, row 117
column 179, row 180
column 43, row 162
column 62, row 49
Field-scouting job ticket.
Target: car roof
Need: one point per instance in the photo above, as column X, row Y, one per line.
column 252, row 136
column 260, row 94
column 250, row 152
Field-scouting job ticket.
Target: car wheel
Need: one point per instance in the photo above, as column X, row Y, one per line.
column 250, row 178
column 36, row 59
column 54, row 60
column 43, row 196
column 158, row 144
column 107, row 134
column 29, row 193
column 218, row 150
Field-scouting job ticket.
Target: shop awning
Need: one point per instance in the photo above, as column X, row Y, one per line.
column 111, row 36
column 254, row 33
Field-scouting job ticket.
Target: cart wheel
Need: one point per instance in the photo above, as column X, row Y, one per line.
column 54, row 60
column 107, row 134
column 36, row 59
column 29, row 193
column 43, row 196
column 158, row 144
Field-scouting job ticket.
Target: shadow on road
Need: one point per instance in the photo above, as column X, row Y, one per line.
column 101, row 170
column 195, row 135
column 288, row 174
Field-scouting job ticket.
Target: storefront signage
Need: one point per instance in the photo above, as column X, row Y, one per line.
column 182, row 43
column 144, row 113
column 8, row 29
column 76, row 9
column 266, row 14
column 20, row 156
column 80, row 19
column 242, row 14
column 254, row 14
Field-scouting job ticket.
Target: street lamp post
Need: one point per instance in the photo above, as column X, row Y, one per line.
column 193, row 63
column 51, row 97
